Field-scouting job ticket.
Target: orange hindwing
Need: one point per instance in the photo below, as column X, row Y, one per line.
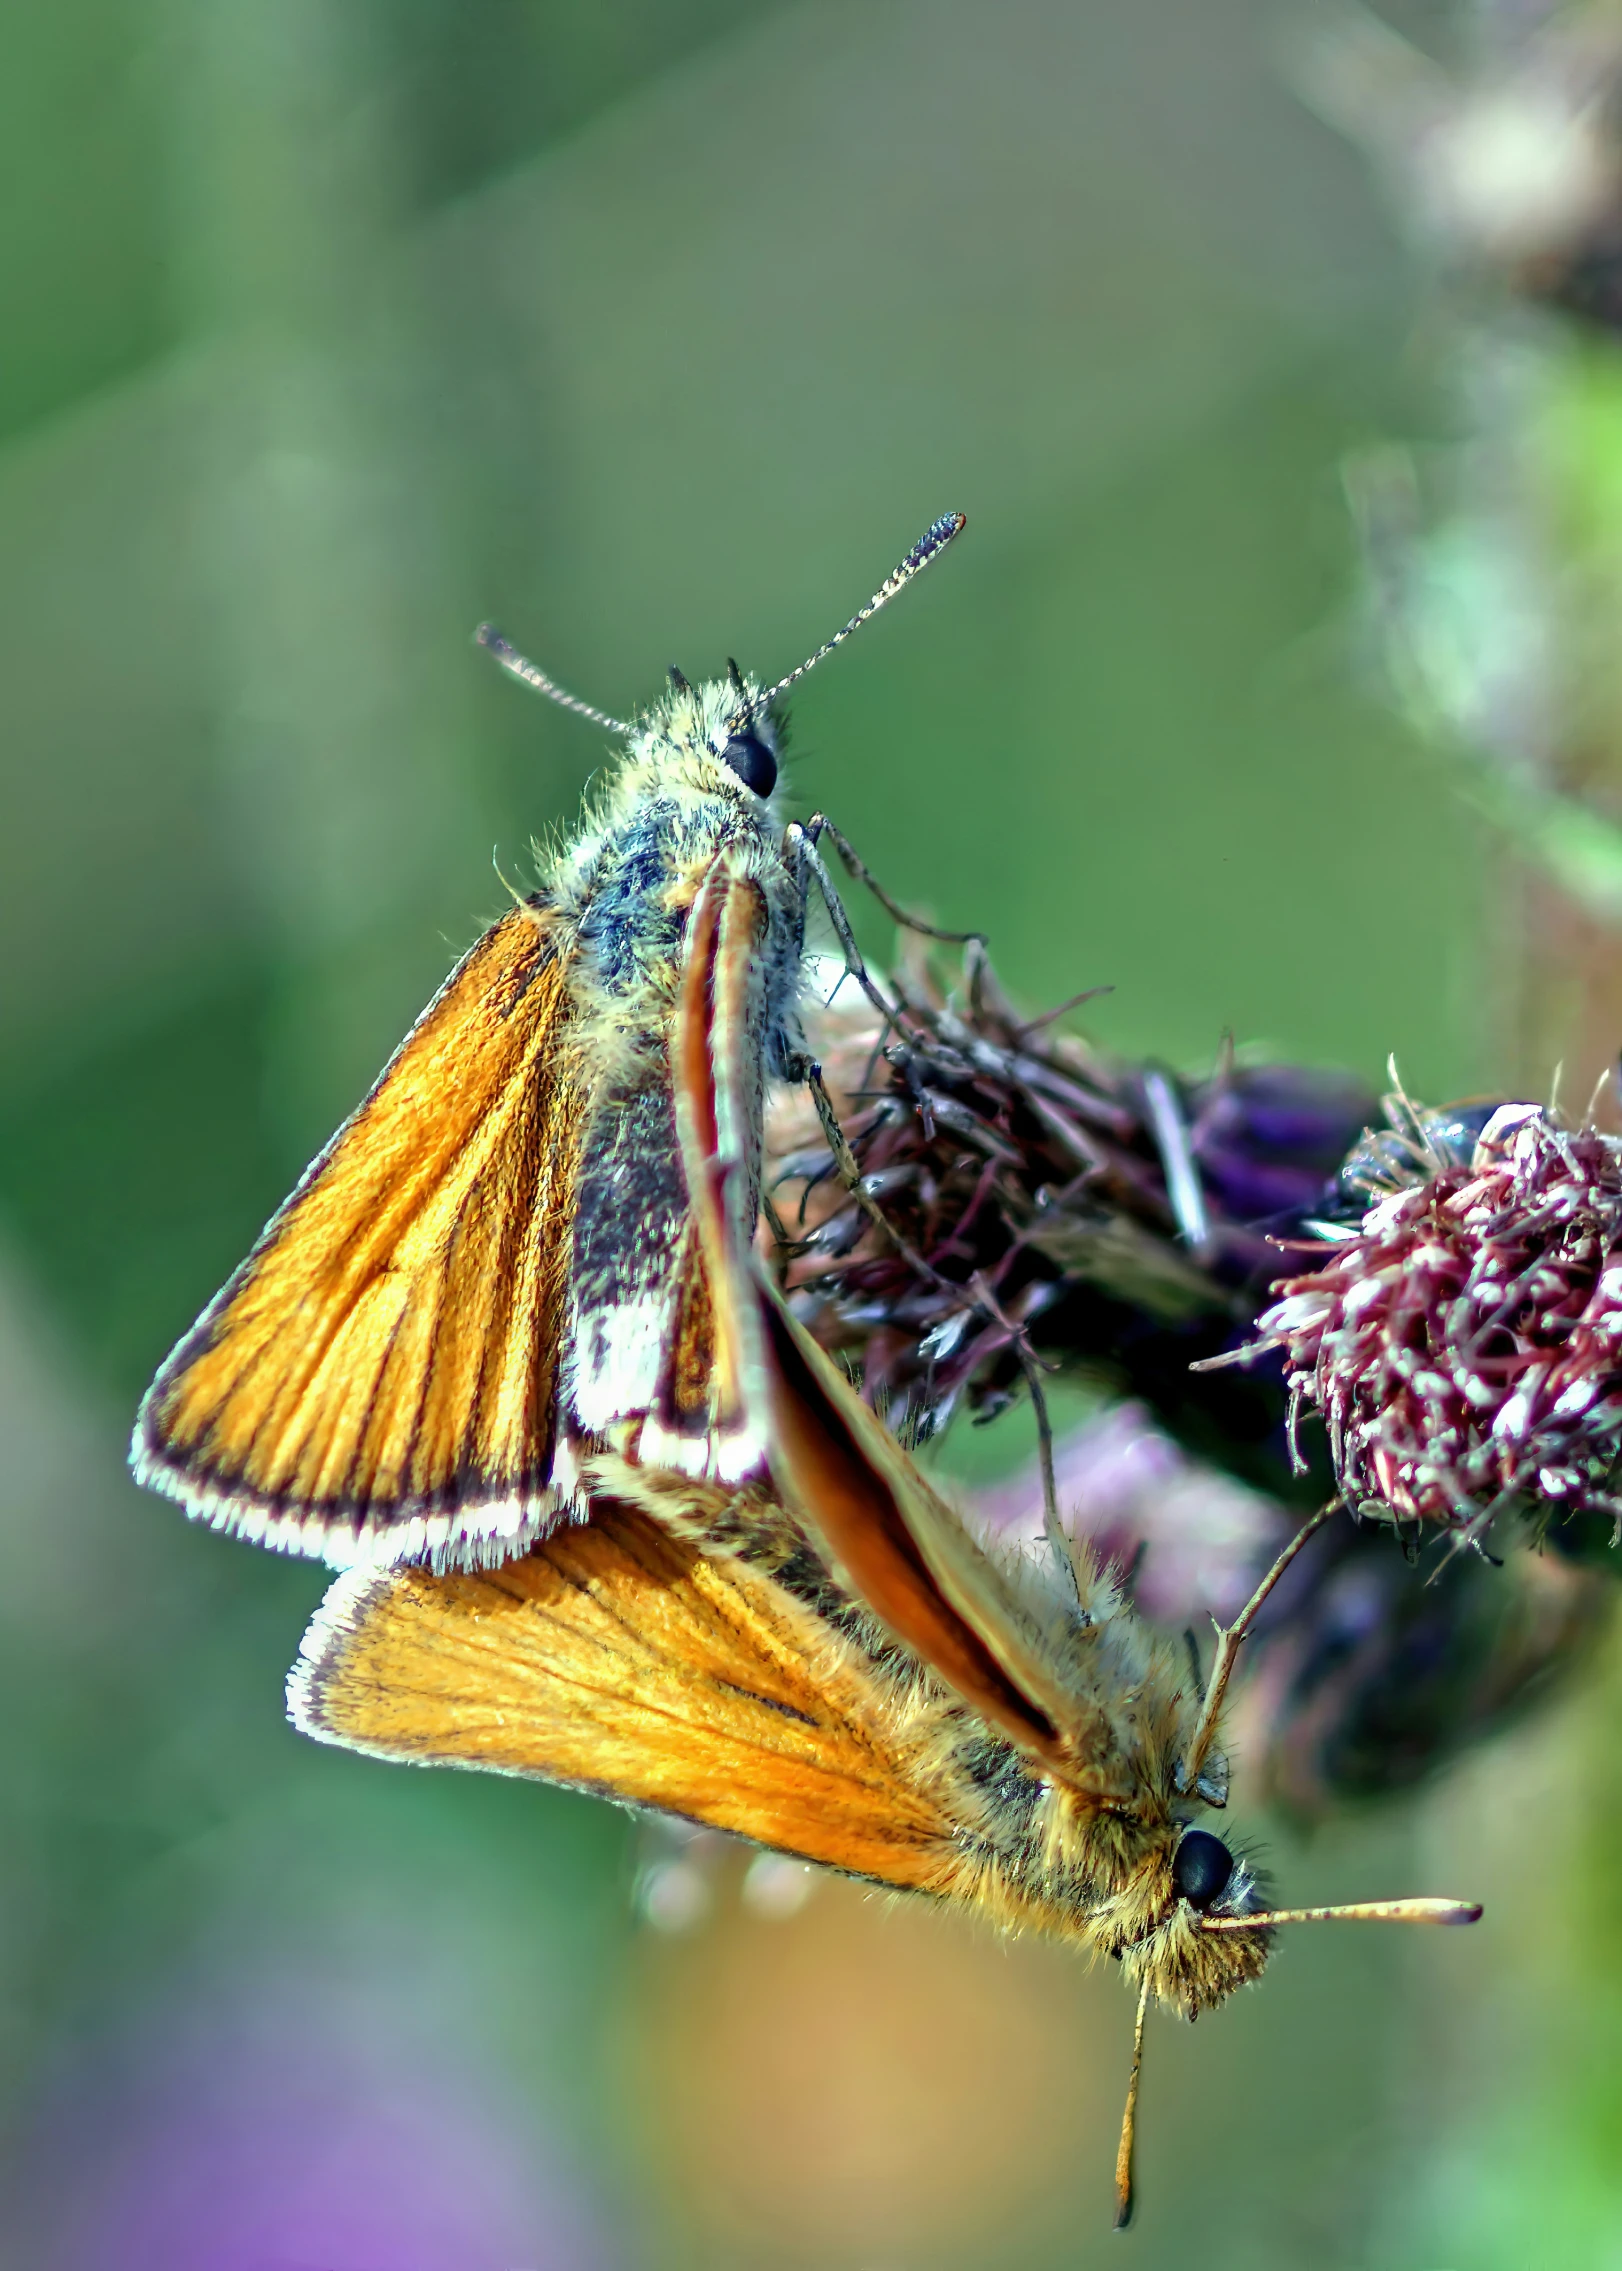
column 618, row 1659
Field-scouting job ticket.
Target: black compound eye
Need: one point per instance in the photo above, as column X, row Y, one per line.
column 752, row 761
column 1201, row 1868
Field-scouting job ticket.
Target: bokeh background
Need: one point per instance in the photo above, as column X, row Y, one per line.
column 656, row 329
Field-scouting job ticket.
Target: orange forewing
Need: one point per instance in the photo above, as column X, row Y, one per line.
column 623, row 1661
column 379, row 1376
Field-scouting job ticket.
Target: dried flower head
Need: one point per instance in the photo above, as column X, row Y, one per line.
column 1463, row 1341
column 1021, row 1194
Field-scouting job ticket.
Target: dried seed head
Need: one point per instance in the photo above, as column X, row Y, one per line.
column 1040, row 1197
column 1463, row 1342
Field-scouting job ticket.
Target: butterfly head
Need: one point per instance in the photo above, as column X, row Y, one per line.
column 715, row 739
column 1195, row 1877
column 1155, row 1884
column 1213, row 1933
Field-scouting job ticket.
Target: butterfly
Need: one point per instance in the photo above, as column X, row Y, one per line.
column 493, row 1267
column 824, row 1659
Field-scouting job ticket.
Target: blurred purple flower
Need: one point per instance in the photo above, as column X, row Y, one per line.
column 1364, row 1672
column 1196, row 1542
column 298, row 2129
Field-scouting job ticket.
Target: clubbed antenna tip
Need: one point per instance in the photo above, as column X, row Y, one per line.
column 1421, row 1910
column 933, row 541
column 1129, row 2122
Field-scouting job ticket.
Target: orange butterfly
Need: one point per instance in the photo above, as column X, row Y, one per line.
column 493, row 1267
column 828, row 1663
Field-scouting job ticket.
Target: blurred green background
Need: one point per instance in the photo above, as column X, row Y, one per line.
column 656, row 329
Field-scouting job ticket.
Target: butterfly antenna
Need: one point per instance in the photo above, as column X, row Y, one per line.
column 1419, row 1911
column 1230, row 1639
column 528, row 674
column 934, row 540
column 1129, row 2123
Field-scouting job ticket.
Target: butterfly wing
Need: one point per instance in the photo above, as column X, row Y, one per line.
column 688, row 1382
column 887, row 1534
column 621, row 1661
column 377, row 1381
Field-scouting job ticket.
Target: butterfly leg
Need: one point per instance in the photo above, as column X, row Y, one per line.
column 820, row 825
column 802, row 850
column 805, row 1068
column 808, row 861
column 801, row 846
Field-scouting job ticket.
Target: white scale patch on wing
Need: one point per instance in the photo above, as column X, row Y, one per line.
column 612, row 1370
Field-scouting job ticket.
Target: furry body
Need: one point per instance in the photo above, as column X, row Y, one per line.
column 627, row 888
